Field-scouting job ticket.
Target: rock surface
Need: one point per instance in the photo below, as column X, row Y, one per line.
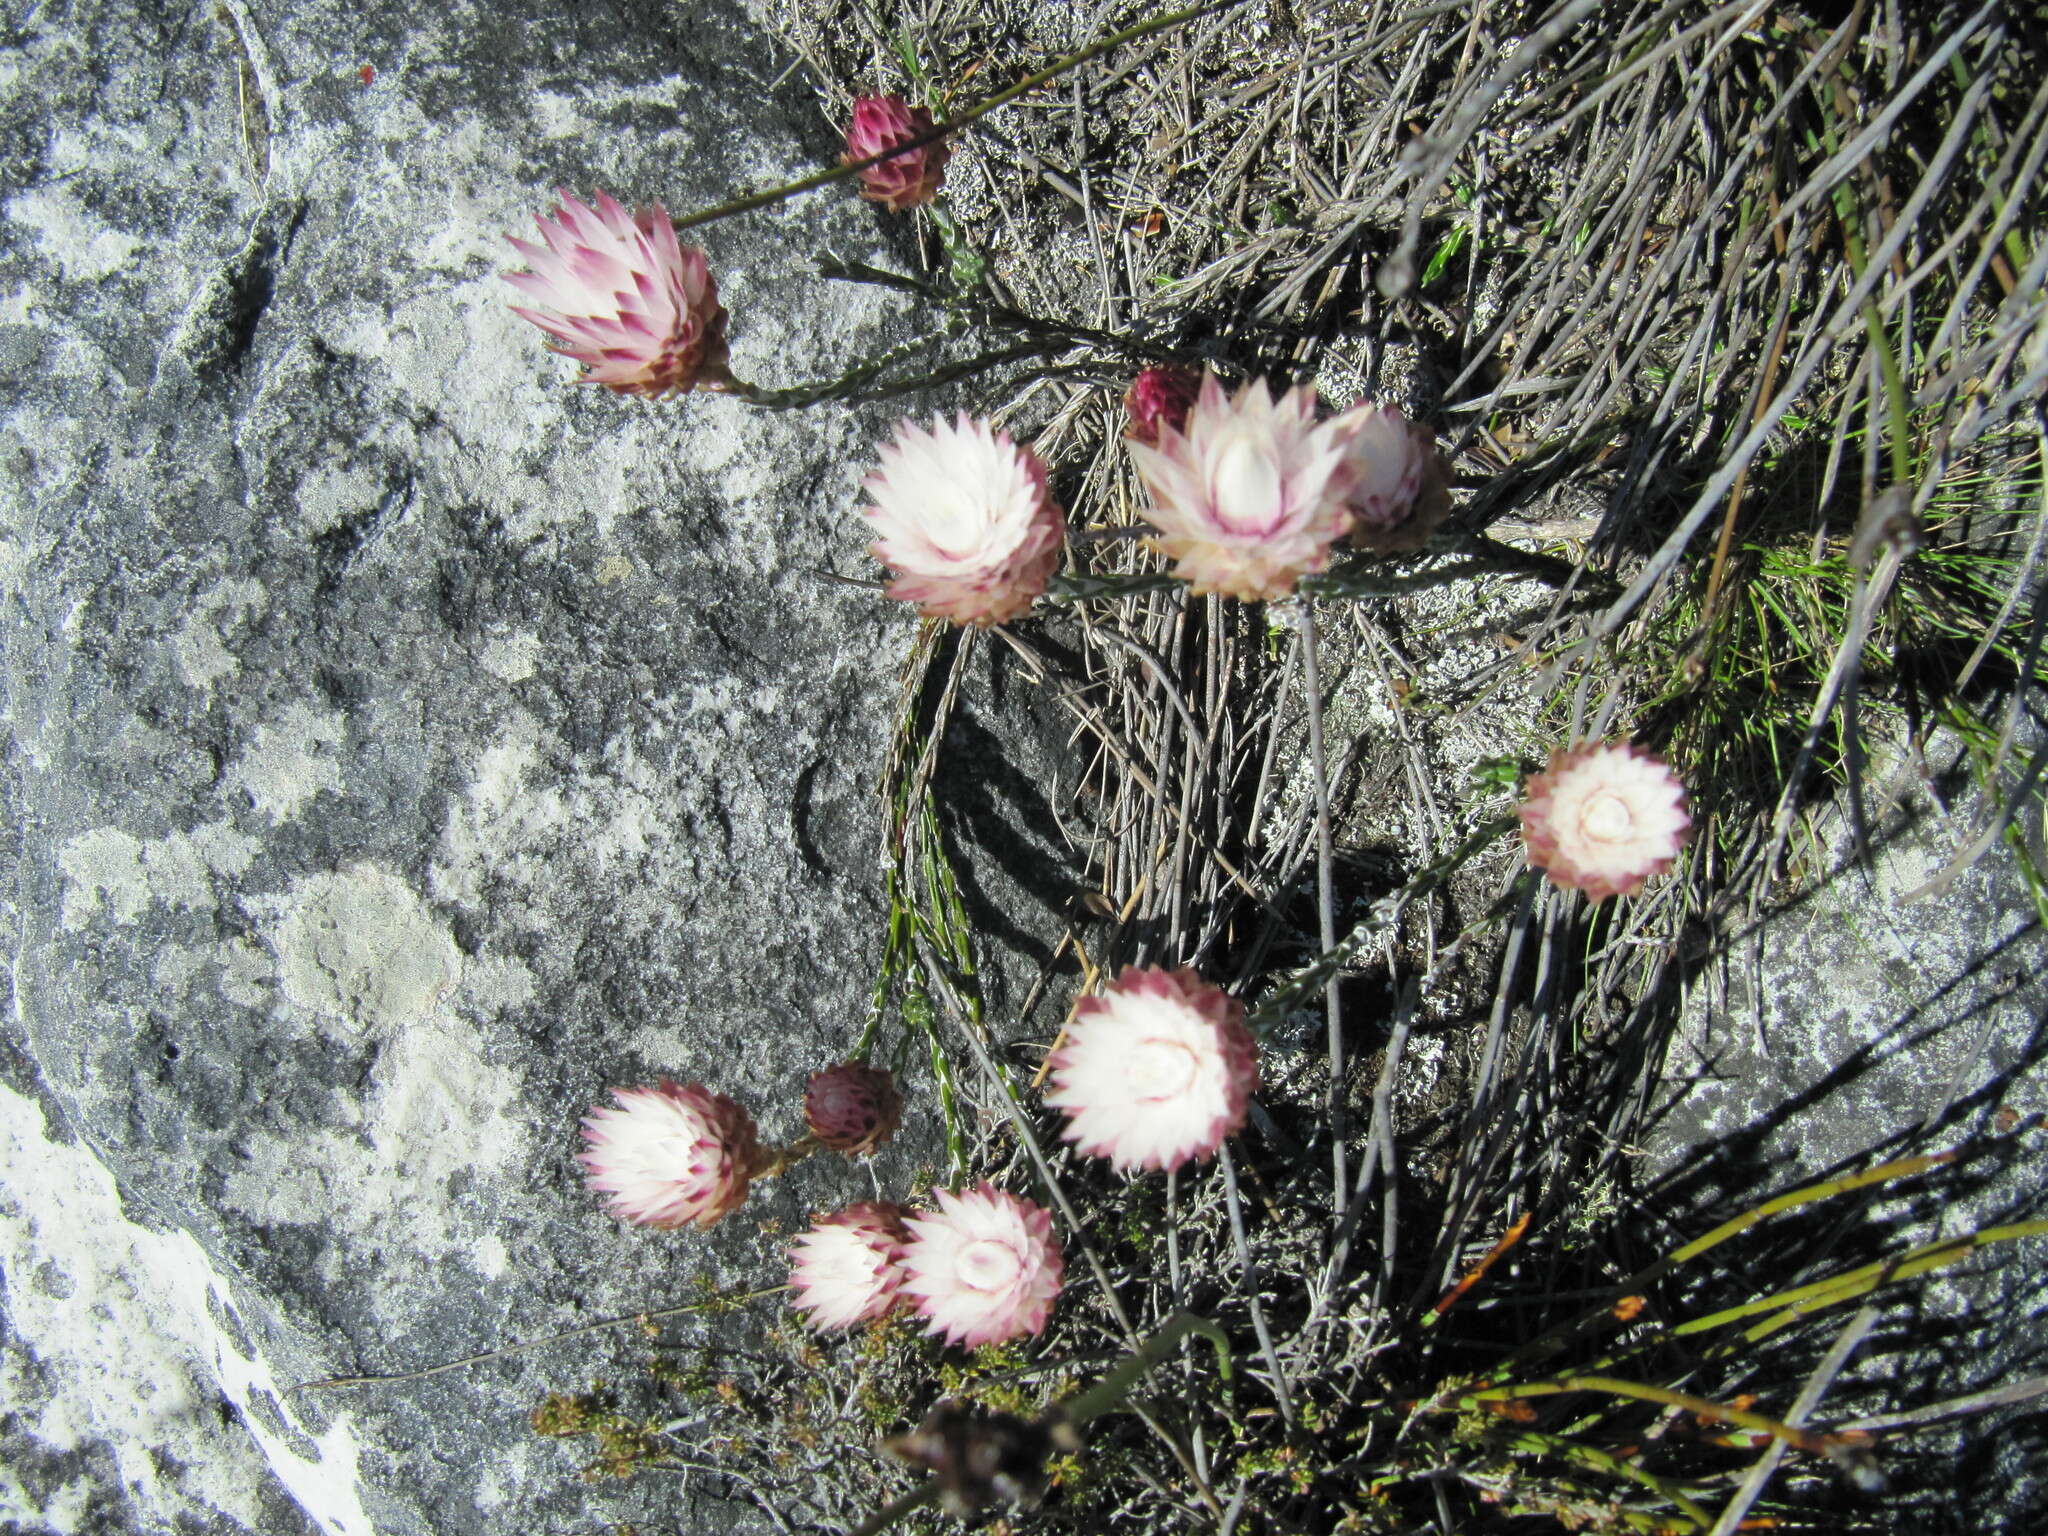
column 405, row 745
column 1890, row 1012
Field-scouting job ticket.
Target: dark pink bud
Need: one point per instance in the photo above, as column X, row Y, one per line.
column 1159, row 399
column 905, row 181
column 852, row 1108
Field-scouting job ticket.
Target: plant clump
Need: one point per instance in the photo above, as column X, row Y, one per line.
column 1351, row 1237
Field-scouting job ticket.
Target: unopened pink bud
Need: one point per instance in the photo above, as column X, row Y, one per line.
column 904, row 181
column 852, row 1108
column 1159, row 400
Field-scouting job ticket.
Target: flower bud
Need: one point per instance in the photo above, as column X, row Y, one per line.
column 852, row 1108
column 1159, row 400
column 1399, row 493
column 904, row 181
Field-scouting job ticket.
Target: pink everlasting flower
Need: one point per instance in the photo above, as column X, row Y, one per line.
column 1249, row 496
column 984, row 1267
column 852, row 1108
column 616, row 292
column 1156, row 1070
column 1159, row 399
column 1604, row 818
column 964, row 521
column 903, row 181
column 848, row 1267
column 669, row 1155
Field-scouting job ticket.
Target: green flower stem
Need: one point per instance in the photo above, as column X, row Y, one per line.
column 1107, row 1393
column 951, row 125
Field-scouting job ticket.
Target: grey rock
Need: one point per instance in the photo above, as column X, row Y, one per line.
column 405, row 745
column 1884, row 1014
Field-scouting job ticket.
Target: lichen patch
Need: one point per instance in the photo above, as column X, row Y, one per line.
column 84, row 248
column 201, row 645
column 359, row 946
column 403, row 1174
column 512, row 658
column 289, row 762
column 112, row 871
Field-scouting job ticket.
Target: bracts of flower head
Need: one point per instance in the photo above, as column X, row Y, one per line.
column 1155, row 1070
column 984, row 1267
column 619, row 294
column 671, row 1154
column 904, row 181
column 1400, row 492
column 963, row 519
column 852, row 1108
column 1604, row 818
column 1248, row 496
column 848, row 1268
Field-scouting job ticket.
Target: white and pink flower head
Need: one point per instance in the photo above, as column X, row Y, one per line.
column 1604, row 818
column 852, row 1108
column 1399, row 492
column 903, row 181
column 964, row 520
column 984, row 1267
column 1155, row 1070
column 848, row 1268
column 1248, row 496
column 671, row 1154
column 618, row 293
